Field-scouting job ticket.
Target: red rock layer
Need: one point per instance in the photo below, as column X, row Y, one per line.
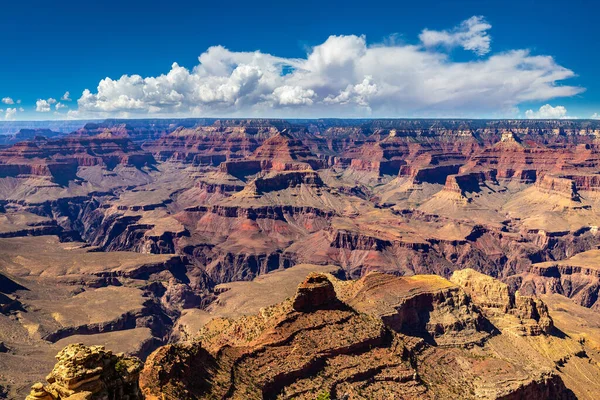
column 60, row 158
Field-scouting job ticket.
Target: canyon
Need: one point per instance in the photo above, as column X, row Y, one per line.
column 440, row 258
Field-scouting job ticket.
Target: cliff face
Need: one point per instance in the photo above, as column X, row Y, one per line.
column 437, row 174
column 497, row 300
column 60, row 158
column 562, row 186
column 577, row 277
column 285, row 181
column 468, row 182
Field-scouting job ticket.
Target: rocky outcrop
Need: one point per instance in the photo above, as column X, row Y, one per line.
column 345, row 339
column 554, row 270
column 469, row 182
column 177, row 371
column 349, row 240
column 546, row 386
column 298, row 347
column 285, row 180
column 426, row 305
column 531, row 308
column 83, row 372
column 283, row 147
column 509, row 137
column 241, row 168
column 315, row 293
column 495, row 297
column 224, row 267
column 221, row 188
column 280, row 152
column 484, row 290
column 58, row 171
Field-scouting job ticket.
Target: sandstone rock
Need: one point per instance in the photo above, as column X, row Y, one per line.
column 177, row 371
column 38, row 392
column 231, row 200
column 577, row 277
column 531, row 308
column 562, row 186
column 495, row 298
column 285, row 180
column 83, row 372
column 284, row 147
column 509, row 137
column 484, row 290
column 280, row 353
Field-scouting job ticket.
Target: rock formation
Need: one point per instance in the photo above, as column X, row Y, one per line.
column 83, row 372
column 495, row 297
column 60, row 158
column 153, row 219
column 315, row 293
column 355, row 340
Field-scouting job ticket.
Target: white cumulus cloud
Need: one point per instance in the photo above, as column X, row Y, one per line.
column 8, row 100
column 471, row 35
column 293, row 96
column 595, row 116
column 66, row 96
column 342, row 77
column 547, row 112
column 359, row 93
column 10, row 114
column 42, row 105
column 59, row 105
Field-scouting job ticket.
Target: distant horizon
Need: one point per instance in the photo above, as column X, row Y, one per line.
column 301, row 119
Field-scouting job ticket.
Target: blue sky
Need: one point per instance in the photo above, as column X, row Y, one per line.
column 316, row 58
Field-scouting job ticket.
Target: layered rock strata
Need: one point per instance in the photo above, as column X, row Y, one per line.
column 356, row 340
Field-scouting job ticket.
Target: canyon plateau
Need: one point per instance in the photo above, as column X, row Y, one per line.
column 300, row 259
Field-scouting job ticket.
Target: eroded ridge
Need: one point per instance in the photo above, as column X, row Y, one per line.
column 378, row 337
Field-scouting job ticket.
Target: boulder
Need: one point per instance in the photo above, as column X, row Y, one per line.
column 83, row 372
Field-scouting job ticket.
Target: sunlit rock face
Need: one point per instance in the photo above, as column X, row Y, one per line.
column 83, row 372
column 381, row 335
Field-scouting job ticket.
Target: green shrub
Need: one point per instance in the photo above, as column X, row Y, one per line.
column 324, row 396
